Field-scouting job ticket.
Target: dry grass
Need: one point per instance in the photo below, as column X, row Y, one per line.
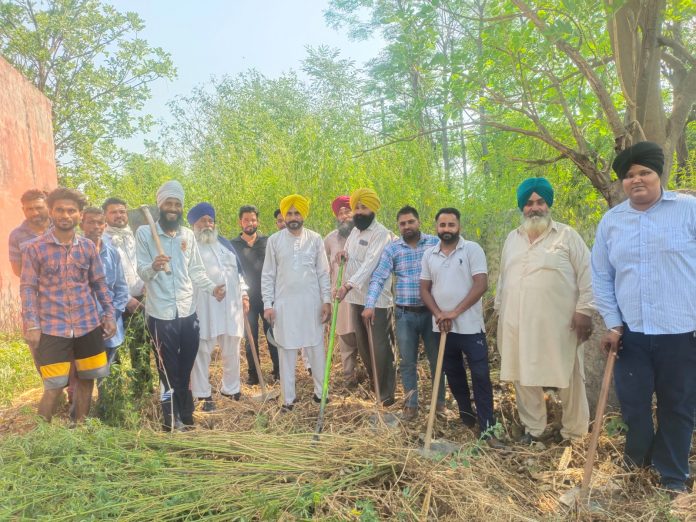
column 475, row 484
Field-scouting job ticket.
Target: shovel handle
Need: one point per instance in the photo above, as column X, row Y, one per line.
column 436, row 388
column 373, row 360
column 155, row 236
column 597, row 426
column 255, row 356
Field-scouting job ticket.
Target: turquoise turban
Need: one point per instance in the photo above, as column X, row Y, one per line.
column 530, row 185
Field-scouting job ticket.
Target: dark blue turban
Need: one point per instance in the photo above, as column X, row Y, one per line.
column 645, row 153
column 200, row 210
column 530, row 185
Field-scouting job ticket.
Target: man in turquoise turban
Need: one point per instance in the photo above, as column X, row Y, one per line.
column 544, row 298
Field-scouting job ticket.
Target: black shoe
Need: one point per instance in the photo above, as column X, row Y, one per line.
column 286, row 408
column 253, row 379
column 309, row 371
column 187, row 420
column 527, row 439
column 275, row 376
column 318, row 399
column 388, row 402
column 208, row 405
column 234, row 396
column 468, row 419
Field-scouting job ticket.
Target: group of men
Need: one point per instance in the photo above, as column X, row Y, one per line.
column 201, row 289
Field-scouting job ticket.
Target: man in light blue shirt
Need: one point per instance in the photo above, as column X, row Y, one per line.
column 169, row 280
column 644, row 280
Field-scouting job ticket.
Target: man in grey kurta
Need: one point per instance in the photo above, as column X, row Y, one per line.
column 296, row 291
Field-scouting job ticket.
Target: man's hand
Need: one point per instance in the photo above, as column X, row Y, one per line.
column 343, row 291
column 109, row 328
column 245, row 304
column 444, row 320
column 32, row 338
column 269, row 315
column 341, row 256
column 132, row 305
column 219, row 292
column 582, row 324
column 368, row 314
column 611, row 340
column 160, row 262
column 325, row 312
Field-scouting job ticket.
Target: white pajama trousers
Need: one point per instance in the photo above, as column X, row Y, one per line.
column 200, row 375
column 288, row 362
column 575, row 419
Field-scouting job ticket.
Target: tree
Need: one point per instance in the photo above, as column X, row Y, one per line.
column 88, row 59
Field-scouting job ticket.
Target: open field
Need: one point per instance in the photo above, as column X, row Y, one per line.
column 247, row 461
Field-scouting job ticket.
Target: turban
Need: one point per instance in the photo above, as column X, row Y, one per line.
column 200, row 210
column 645, row 153
column 170, row 189
column 539, row 185
column 340, row 202
column 367, row 197
column 301, row 203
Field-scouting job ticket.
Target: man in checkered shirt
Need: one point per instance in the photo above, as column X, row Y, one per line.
column 62, row 280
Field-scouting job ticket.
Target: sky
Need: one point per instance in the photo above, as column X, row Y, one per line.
column 216, row 37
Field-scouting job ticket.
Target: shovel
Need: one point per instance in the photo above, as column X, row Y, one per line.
column 329, row 355
column 250, row 338
column 388, row 419
column 580, row 496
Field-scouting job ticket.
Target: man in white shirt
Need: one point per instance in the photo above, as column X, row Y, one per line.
column 221, row 323
column 363, row 250
column 296, row 291
column 454, row 277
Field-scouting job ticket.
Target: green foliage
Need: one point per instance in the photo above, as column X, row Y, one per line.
column 88, row 59
column 17, row 371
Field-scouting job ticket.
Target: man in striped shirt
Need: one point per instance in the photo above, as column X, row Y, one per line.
column 644, row 279
column 62, row 280
column 413, row 320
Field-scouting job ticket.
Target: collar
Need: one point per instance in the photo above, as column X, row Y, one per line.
column 423, row 239
column 460, row 244
column 119, row 232
column 54, row 239
column 625, row 206
column 554, row 227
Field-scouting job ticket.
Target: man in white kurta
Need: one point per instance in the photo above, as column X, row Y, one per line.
column 544, row 298
column 221, row 322
column 296, row 292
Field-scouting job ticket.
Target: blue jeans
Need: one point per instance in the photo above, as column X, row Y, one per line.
column 664, row 365
column 475, row 349
column 410, row 328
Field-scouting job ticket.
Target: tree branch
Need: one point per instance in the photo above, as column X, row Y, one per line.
column 680, row 51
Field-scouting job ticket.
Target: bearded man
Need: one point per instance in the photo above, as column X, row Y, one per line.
column 334, row 243
column 36, row 222
column 296, row 291
column 544, row 298
column 221, row 323
column 170, row 279
column 363, row 249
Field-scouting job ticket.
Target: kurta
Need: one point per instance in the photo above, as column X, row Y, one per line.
column 335, row 243
column 295, row 283
column 541, row 286
column 224, row 317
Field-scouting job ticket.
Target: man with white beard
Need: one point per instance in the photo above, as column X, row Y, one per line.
column 296, row 292
column 544, row 298
column 221, row 322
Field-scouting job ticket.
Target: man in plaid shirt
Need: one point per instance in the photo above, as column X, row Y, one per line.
column 61, row 276
column 413, row 320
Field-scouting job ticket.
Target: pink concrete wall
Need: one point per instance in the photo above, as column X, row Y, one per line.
column 27, row 160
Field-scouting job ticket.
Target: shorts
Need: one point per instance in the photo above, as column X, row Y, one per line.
column 55, row 354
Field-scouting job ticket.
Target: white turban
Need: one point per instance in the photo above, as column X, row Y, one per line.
column 170, row 189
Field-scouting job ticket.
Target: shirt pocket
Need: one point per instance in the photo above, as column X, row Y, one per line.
column 674, row 240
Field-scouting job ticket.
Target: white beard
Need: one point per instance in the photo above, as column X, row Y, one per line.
column 207, row 237
column 536, row 225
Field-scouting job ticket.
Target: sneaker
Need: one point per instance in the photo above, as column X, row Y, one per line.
column 527, row 439
column 495, row 443
column 234, row 396
column 208, row 405
column 252, row 379
column 409, row 413
column 388, row 402
column 468, row 419
column 318, row 399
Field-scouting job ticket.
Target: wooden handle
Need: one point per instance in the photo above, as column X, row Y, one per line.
column 255, row 356
column 373, row 360
column 436, row 389
column 148, row 217
column 597, row 427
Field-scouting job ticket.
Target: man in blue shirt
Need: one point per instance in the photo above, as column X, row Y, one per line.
column 413, row 320
column 644, row 279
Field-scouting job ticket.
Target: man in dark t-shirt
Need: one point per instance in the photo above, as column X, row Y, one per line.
column 250, row 247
